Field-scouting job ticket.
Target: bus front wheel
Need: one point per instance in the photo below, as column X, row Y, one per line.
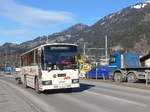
column 25, row 82
column 37, row 85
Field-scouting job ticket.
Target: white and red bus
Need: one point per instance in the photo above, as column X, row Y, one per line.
column 50, row 66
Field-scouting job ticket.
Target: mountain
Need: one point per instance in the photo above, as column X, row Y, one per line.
column 56, row 37
column 12, row 50
column 127, row 29
column 74, row 29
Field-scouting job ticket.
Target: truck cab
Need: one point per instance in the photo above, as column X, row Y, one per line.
column 114, row 62
column 126, row 60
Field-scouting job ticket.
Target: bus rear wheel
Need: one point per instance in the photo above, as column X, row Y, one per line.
column 18, row 81
column 118, row 77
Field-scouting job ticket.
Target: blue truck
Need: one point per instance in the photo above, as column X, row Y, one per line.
column 8, row 69
column 98, row 72
column 126, row 67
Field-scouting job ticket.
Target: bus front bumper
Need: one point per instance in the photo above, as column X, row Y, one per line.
column 58, row 86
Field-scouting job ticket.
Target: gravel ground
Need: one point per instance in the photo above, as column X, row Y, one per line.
column 140, row 84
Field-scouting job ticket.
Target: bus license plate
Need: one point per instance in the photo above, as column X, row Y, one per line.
column 62, row 86
column 61, row 81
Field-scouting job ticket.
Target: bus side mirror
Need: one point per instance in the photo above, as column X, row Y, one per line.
column 49, row 69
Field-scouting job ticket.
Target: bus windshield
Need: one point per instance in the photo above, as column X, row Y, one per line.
column 61, row 48
column 60, row 55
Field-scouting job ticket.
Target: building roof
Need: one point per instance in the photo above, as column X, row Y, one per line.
column 145, row 57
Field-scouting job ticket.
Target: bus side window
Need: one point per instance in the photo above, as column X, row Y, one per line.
column 38, row 58
column 42, row 59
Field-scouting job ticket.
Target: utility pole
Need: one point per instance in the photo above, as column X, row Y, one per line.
column 6, row 58
column 84, row 48
column 40, row 40
column 0, row 59
column 47, row 40
column 106, row 47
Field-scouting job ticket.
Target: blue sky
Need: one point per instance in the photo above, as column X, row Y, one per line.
column 23, row 20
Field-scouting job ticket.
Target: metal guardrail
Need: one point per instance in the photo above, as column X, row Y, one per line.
column 147, row 77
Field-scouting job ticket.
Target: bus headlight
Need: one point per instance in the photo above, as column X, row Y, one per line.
column 75, row 80
column 48, row 82
column 54, row 75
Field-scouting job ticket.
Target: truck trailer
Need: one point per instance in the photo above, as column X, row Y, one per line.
column 127, row 67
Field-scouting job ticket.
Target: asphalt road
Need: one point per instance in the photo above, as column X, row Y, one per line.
column 90, row 97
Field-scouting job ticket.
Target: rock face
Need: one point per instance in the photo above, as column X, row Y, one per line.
column 128, row 28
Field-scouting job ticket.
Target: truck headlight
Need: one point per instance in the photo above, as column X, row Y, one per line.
column 75, row 80
column 48, row 82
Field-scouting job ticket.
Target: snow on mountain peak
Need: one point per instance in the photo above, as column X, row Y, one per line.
column 147, row 2
column 141, row 5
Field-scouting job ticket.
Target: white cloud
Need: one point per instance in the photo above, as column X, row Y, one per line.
column 16, row 32
column 26, row 15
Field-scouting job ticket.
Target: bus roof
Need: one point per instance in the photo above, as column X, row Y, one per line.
column 40, row 46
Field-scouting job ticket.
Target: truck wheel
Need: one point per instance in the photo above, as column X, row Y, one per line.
column 131, row 78
column 110, row 77
column 118, row 77
column 37, row 86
